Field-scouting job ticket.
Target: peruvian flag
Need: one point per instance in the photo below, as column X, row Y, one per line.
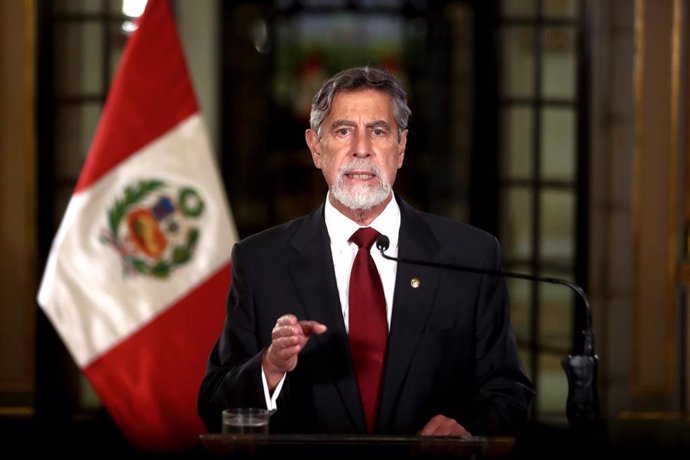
column 138, row 273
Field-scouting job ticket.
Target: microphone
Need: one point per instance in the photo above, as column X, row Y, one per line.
column 582, row 405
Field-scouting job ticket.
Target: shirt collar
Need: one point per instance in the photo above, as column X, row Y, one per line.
column 340, row 228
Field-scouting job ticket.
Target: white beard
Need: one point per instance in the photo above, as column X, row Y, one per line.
column 360, row 196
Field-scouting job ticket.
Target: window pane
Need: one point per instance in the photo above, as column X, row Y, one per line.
column 558, row 144
column 520, row 292
column 516, row 142
column 559, row 62
column 311, row 46
column 561, row 9
column 517, row 60
column 516, row 225
column 88, row 398
column 526, row 361
column 118, row 39
column 78, row 70
column 552, row 384
column 556, row 226
column 74, row 129
column 523, row 8
column 76, row 6
column 556, row 316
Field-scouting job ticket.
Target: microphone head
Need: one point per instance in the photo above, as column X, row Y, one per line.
column 382, row 243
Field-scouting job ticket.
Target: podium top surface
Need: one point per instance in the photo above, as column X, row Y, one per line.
column 349, row 446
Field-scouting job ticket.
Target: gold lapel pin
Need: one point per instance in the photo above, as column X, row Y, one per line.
column 415, row 282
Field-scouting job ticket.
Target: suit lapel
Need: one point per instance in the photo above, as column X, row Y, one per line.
column 314, row 278
column 411, row 306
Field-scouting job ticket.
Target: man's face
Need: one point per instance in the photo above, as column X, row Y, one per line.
column 358, row 150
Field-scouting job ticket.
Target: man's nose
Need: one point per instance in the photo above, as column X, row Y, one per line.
column 362, row 144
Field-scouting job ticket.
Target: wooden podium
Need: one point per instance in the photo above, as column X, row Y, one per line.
column 357, row 447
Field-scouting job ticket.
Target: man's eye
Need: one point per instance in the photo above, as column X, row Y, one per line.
column 342, row 131
column 379, row 132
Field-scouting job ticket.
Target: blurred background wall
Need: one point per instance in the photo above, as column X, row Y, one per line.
column 558, row 125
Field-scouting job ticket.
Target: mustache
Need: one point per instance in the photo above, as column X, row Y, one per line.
column 360, row 164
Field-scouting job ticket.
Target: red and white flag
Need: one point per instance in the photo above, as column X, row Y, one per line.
column 138, row 273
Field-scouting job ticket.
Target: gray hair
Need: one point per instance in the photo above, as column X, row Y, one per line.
column 360, row 78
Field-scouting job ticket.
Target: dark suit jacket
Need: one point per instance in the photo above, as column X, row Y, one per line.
column 451, row 349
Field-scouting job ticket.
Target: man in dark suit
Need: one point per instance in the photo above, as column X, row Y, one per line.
column 449, row 363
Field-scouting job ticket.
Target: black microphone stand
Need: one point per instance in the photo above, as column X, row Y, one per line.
column 582, row 405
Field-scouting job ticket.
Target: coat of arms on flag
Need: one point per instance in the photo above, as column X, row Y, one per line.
column 153, row 227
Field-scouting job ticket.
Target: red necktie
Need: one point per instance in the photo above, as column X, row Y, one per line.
column 368, row 326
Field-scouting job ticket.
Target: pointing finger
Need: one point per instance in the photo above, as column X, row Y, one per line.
column 312, row 327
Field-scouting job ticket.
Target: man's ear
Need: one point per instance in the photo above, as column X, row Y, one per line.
column 401, row 148
column 313, row 143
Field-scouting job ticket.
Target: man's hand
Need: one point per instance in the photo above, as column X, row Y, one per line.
column 288, row 338
column 440, row 425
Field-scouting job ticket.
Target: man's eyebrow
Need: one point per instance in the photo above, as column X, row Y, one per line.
column 373, row 124
column 378, row 124
column 338, row 123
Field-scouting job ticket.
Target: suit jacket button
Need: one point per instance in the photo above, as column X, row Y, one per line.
column 415, row 283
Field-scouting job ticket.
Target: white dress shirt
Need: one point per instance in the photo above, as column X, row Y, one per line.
column 340, row 229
